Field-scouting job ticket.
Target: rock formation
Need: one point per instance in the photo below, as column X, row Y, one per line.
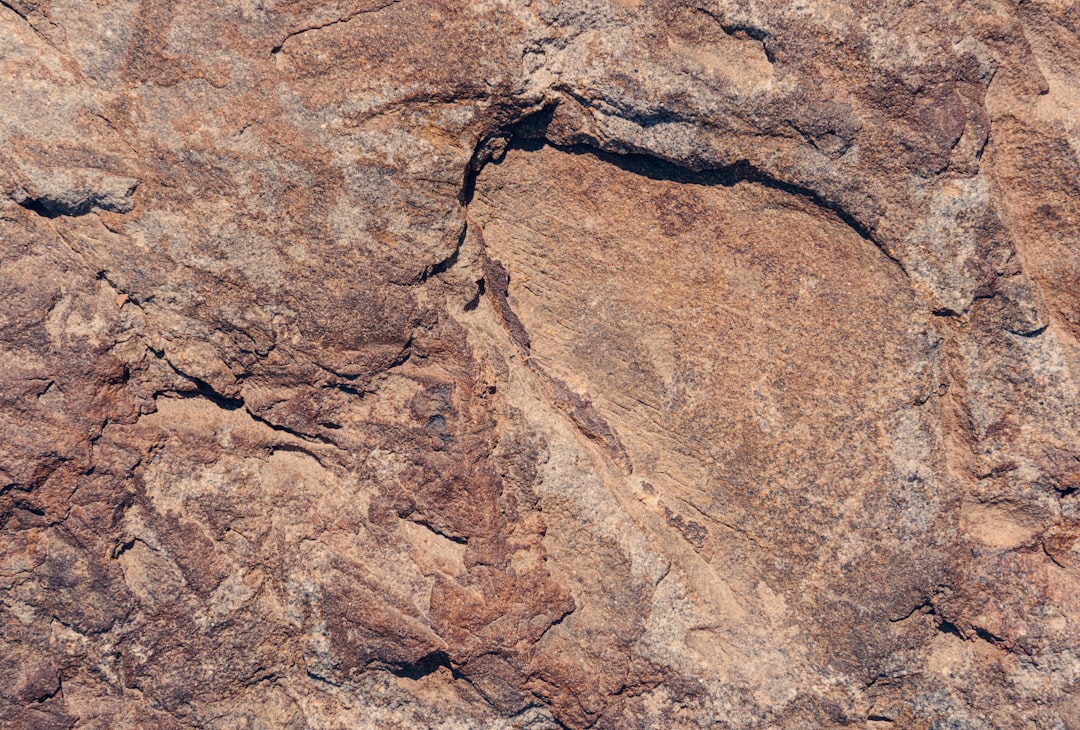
column 539, row 364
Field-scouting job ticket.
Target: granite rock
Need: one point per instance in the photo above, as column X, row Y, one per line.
column 539, row 364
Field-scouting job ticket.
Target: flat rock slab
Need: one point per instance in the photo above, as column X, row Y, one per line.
column 765, row 369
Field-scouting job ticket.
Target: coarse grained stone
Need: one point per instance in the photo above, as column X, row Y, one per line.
column 576, row 363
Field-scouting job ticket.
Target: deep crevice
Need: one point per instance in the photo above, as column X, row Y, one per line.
column 32, row 509
column 319, row 678
column 1029, row 334
column 295, row 449
column 440, row 533
column 203, row 389
column 50, row 208
column 529, row 134
column 925, row 607
column 346, row 389
column 228, row 403
column 425, row 665
column 310, row 437
column 1050, row 555
column 987, row 636
column 446, row 264
column 948, row 627
column 473, row 303
column 124, row 547
column 37, row 206
column 655, row 168
column 557, row 621
column 12, row 8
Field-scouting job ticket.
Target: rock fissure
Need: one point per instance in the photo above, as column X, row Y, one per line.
column 337, row 21
column 360, row 371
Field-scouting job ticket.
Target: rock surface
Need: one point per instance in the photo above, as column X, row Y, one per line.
column 539, row 364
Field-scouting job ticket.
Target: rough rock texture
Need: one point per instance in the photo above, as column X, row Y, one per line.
column 539, row 363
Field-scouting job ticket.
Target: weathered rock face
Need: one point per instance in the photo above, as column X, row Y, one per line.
column 539, row 364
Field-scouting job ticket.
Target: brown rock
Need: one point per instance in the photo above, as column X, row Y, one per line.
column 539, row 364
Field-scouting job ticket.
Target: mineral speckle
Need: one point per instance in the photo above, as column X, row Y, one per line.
column 539, row 364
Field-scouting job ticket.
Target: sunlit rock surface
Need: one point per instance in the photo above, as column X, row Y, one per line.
column 529, row 364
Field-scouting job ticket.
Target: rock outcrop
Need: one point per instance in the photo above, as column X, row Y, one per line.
column 539, row 364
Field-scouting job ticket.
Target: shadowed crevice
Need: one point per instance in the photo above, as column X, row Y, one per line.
column 530, row 134
column 425, row 665
column 655, row 168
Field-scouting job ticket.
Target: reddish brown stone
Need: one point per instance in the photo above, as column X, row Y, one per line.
column 591, row 363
